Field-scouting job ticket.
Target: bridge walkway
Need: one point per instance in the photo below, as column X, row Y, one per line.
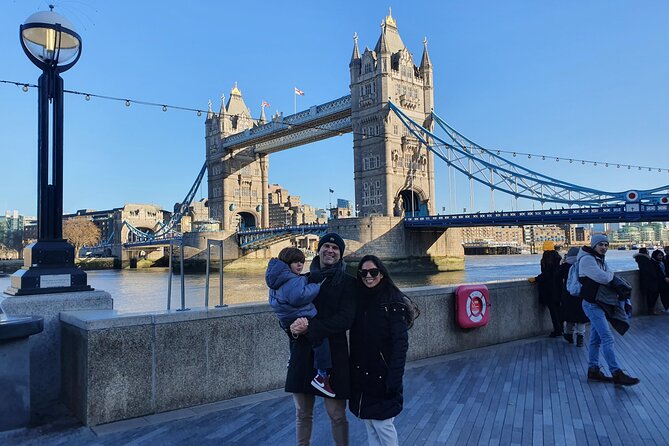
column 528, row 392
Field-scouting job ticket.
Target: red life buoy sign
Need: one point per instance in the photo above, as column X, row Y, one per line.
column 472, row 305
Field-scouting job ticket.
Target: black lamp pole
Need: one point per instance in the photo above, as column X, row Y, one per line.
column 50, row 43
column 50, row 196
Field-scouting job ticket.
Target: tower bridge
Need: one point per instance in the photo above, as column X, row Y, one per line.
column 397, row 139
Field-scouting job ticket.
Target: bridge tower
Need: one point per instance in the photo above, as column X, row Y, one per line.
column 393, row 172
column 237, row 179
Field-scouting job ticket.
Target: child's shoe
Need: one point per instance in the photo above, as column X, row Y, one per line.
column 322, row 383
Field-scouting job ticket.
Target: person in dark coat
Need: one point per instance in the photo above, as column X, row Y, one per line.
column 571, row 308
column 291, row 296
column 335, row 305
column 657, row 258
column 379, row 344
column 648, row 279
column 550, row 285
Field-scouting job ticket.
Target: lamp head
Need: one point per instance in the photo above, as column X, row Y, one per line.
column 49, row 41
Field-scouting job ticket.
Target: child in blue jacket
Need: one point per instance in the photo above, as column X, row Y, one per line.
column 291, row 296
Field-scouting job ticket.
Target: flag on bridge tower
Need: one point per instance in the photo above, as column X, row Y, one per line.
column 298, row 92
column 265, row 104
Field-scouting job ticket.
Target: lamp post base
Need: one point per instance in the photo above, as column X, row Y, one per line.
column 48, row 267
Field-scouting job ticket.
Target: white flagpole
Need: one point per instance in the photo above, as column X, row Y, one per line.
column 294, row 101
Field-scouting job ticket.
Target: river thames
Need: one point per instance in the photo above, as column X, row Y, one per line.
column 143, row 290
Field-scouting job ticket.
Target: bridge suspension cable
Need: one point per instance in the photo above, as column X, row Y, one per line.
column 498, row 173
column 168, row 227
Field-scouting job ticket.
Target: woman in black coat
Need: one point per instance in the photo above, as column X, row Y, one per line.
column 550, row 286
column 648, row 279
column 379, row 344
column 662, row 277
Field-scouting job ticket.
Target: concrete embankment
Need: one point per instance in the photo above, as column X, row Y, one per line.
column 11, row 266
column 121, row 366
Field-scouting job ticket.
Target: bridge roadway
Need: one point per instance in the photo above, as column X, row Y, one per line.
column 629, row 212
column 528, row 392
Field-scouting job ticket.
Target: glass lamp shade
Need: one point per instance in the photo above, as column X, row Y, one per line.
column 49, row 39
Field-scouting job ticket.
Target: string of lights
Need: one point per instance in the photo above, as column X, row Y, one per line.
column 165, row 107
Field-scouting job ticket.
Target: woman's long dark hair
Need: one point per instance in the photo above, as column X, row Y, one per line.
column 413, row 311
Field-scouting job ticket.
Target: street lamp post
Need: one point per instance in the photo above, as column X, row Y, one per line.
column 50, row 42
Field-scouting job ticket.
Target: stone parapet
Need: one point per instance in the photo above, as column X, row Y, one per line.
column 119, row 366
column 128, row 365
column 45, row 355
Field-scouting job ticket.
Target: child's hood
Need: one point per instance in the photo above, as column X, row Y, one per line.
column 278, row 273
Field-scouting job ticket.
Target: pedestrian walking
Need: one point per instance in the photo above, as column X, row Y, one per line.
column 597, row 279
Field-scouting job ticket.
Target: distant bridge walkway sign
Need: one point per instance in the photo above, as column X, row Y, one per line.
column 628, row 212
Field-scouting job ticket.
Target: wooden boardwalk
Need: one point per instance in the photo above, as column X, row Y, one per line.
column 530, row 392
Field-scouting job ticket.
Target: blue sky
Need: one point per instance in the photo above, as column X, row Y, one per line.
column 582, row 79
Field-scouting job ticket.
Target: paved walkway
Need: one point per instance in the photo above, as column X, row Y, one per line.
column 530, row 392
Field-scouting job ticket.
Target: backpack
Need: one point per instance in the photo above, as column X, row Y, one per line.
column 573, row 284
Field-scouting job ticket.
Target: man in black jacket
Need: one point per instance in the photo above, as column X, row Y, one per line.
column 335, row 304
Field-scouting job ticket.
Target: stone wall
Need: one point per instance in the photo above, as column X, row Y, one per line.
column 118, row 366
column 45, row 354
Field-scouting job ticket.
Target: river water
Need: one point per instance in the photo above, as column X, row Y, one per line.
column 143, row 290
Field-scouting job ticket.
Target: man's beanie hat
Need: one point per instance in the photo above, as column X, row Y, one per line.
column 597, row 239
column 332, row 237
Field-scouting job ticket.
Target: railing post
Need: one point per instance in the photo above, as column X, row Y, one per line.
column 206, row 280
column 169, row 281
column 183, row 280
column 220, row 275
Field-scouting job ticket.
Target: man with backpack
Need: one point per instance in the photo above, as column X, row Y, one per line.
column 595, row 276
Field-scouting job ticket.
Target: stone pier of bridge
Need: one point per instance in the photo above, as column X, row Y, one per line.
column 401, row 249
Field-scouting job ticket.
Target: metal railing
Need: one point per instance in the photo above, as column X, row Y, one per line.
column 219, row 243
column 183, row 283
